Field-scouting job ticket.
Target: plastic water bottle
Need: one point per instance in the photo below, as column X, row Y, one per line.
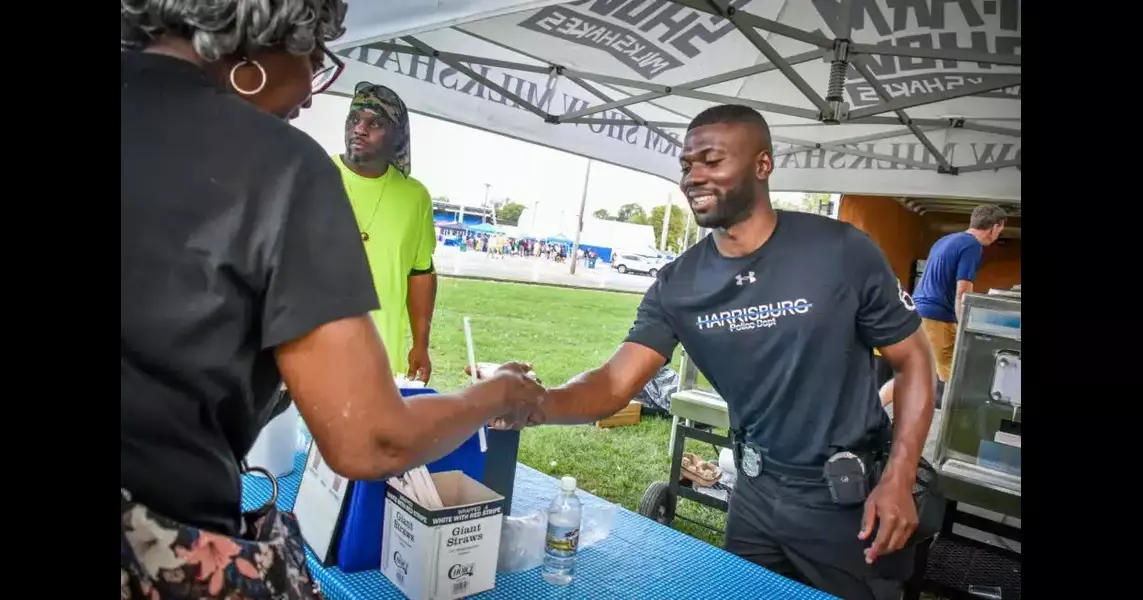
column 564, row 515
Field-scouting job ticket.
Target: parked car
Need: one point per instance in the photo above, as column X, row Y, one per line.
column 636, row 263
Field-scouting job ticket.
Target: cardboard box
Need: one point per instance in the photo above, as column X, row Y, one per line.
column 628, row 415
column 448, row 553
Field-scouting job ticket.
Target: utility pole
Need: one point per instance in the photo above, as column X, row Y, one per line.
column 666, row 223
column 686, row 234
column 535, row 210
column 579, row 218
column 487, row 187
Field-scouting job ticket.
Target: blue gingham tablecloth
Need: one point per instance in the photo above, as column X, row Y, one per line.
column 639, row 560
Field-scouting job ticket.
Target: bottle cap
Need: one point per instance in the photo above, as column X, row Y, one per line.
column 567, row 484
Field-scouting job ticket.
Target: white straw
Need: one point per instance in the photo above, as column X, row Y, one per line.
column 471, row 348
column 475, row 377
column 418, row 485
column 428, row 488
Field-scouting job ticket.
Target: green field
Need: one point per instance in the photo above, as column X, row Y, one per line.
column 562, row 332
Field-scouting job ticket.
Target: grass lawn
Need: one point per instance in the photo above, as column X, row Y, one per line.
column 562, row 332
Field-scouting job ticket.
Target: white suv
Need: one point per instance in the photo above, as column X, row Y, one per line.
column 636, row 263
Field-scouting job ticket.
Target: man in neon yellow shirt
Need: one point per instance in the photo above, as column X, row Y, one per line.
column 395, row 215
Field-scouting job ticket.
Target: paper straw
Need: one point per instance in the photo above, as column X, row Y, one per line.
column 428, row 489
column 475, row 377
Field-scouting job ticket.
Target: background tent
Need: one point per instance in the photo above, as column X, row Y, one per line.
column 484, row 228
column 872, row 97
column 558, row 239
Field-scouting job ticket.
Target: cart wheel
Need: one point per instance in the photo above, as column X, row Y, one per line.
column 658, row 503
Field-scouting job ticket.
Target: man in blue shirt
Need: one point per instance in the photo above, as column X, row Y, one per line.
column 948, row 276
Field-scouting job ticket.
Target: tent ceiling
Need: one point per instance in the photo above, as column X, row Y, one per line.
column 956, row 206
column 885, row 97
column 947, row 215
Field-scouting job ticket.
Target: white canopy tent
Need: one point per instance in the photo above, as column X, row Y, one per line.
column 911, row 99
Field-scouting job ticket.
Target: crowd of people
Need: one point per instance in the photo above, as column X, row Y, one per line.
column 500, row 245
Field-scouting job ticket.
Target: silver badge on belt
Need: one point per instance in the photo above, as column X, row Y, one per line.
column 751, row 461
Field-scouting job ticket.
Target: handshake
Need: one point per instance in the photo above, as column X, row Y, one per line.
column 520, row 392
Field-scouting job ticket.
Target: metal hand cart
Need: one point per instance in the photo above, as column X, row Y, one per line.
column 689, row 406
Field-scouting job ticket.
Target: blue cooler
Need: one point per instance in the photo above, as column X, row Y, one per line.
column 500, row 464
column 360, row 545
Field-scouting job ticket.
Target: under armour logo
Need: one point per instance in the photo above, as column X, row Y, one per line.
column 749, row 277
column 904, row 297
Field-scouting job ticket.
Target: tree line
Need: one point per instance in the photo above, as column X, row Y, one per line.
column 508, row 213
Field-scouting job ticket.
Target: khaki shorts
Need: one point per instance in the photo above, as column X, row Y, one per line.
column 942, row 337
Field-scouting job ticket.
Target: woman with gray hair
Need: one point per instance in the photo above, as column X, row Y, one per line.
column 241, row 267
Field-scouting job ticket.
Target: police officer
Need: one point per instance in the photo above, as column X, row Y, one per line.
column 780, row 311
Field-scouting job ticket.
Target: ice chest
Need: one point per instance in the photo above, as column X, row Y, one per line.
column 447, row 553
column 356, row 542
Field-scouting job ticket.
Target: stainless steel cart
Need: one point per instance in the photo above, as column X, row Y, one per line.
column 687, row 408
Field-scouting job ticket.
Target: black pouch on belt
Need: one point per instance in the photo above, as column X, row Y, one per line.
column 846, row 475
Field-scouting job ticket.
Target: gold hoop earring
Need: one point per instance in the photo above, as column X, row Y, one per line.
column 234, row 84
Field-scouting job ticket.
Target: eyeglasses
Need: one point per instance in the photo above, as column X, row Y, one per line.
column 324, row 77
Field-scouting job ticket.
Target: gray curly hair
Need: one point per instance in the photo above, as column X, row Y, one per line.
column 220, row 28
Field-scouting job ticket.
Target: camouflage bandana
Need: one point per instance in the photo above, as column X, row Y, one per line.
column 385, row 102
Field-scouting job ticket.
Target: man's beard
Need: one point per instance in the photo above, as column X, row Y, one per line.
column 729, row 210
column 363, row 157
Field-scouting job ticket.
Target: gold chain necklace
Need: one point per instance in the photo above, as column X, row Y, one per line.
column 373, row 215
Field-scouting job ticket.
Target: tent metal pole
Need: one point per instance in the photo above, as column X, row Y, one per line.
column 859, row 63
column 923, row 122
column 697, row 84
column 772, row 55
column 987, row 128
column 570, row 117
column 792, row 111
column 554, row 66
column 503, row 91
column 949, row 54
column 856, row 152
column 594, row 121
column 453, row 56
column 844, row 28
column 780, row 109
column 689, row 369
column 999, row 164
column 938, row 123
column 656, row 91
column 590, row 88
column 757, row 22
column 854, row 140
column 1001, row 82
column 822, row 41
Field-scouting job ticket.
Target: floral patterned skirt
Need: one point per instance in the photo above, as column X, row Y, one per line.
column 162, row 559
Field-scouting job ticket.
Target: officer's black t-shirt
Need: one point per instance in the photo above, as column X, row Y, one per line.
column 785, row 334
column 236, row 236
